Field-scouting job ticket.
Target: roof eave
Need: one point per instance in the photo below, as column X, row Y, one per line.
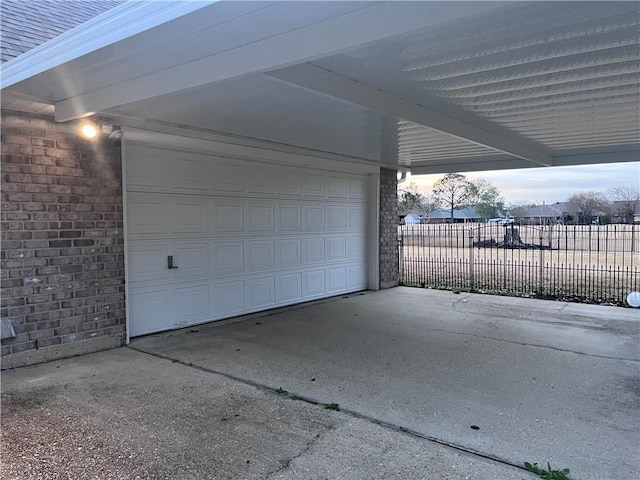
column 112, row 26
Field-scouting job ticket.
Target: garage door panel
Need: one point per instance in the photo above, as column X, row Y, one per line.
column 337, row 217
column 288, row 217
column 356, row 277
column 245, row 236
column 259, row 255
column 357, row 188
column 289, row 184
column 226, row 216
column 313, row 218
column 313, row 283
column 228, row 176
column 357, row 217
column 227, row 258
column 147, row 262
column 260, row 217
column 313, row 250
column 336, row 279
column 260, row 292
column 192, row 259
column 190, row 304
column 288, row 252
column 189, row 215
column 337, row 187
column 335, row 248
column 147, row 214
column 314, row 185
column 356, row 247
column 228, row 298
column 190, row 173
column 148, row 171
column 289, row 287
column 149, row 311
column 260, row 180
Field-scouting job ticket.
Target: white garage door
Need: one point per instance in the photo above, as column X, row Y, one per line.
column 243, row 236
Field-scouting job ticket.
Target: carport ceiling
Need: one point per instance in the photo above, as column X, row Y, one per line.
column 433, row 86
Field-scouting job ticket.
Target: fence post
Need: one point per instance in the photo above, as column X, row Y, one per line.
column 541, row 268
column 471, row 275
column 400, row 240
column 633, row 249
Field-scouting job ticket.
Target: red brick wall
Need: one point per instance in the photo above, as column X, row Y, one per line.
column 62, row 248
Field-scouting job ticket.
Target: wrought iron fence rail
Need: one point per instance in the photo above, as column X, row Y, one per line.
column 598, row 264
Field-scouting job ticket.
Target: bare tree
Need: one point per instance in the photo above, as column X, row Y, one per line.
column 586, row 204
column 625, row 199
column 454, row 191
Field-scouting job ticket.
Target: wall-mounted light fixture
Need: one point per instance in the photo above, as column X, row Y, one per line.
column 91, row 131
column 114, row 132
column 88, row 130
column 403, row 176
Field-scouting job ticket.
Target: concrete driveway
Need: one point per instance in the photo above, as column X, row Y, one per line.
column 430, row 385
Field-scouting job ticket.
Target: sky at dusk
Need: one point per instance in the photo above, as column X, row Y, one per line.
column 535, row 185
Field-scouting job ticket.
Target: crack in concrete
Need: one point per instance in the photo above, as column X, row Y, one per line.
column 305, row 449
column 525, row 344
column 461, row 300
column 351, row 413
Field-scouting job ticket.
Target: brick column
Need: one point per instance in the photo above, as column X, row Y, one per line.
column 389, row 266
column 62, row 241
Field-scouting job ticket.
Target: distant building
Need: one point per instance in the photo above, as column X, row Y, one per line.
column 624, row 211
column 541, row 214
column 460, row 215
column 412, row 219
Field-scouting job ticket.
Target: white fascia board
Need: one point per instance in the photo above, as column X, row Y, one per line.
column 343, row 32
column 123, row 21
column 268, row 152
column 329, row 83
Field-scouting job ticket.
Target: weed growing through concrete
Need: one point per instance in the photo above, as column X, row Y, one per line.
column 549, row 473
column 333, row 406
column 281, row 391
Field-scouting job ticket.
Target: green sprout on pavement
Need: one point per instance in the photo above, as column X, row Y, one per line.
column 549, row 473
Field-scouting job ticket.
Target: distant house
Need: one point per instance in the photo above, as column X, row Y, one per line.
column 412, row 219
column 624, row 211
column 460, row 215
column 541, row 214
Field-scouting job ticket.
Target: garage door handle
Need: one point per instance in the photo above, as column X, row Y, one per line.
column 170, row 264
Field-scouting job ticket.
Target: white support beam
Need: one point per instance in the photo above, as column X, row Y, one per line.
column 287, row 47
column 585, row 158
column 329, row 83
column 480, row 164
column 466, row 165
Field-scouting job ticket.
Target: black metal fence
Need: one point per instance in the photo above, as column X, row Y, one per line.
column 586, row 263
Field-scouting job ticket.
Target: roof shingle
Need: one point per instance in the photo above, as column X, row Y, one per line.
column 25, row 24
